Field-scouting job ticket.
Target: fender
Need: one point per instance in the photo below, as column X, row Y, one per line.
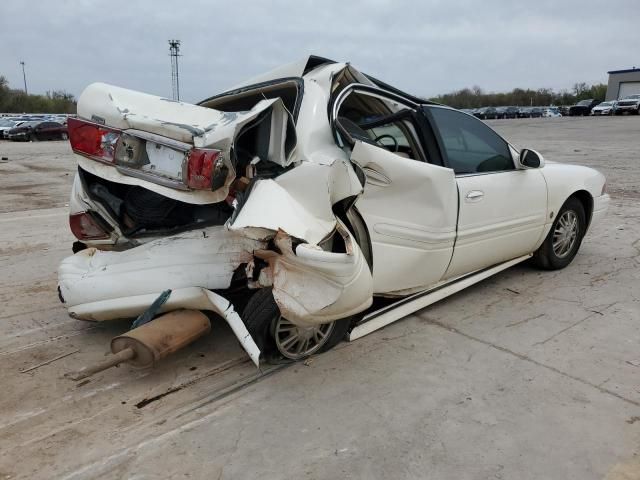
column 565, row 180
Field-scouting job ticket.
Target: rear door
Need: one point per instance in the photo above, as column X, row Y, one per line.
column 409, row 206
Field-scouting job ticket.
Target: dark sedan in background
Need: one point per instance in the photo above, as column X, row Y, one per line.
column 583, row 107
column 38, row 130
column 511, row 112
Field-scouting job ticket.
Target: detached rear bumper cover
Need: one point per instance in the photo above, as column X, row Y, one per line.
column 310, row 286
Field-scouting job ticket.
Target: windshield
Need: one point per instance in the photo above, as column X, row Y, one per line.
column 585, row 102
column 633, row 97
column 606, row 104
column 6, row 123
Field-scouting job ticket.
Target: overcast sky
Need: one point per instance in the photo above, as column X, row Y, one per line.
column 423, row 47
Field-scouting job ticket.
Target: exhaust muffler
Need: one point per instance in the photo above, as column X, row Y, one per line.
column 146, row 345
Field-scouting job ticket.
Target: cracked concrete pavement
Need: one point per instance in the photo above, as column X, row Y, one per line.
column 528, row 375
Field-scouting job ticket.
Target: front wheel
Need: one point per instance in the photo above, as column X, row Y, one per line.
column 64, row 136
column 276, row 336
column 564, row 239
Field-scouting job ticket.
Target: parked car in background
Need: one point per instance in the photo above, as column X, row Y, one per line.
column 524, row 112
column 489, row 113
column 511, row 112
column 501, row 112
column 551, row 112
column 564, row 110
column 583, row 107
column 479, row 112
column 38, row 130
column 536, row 112
column 630, row 104
column 605, row 108
column 6, row 125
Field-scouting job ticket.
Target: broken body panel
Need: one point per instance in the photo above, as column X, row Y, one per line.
column 274, row 234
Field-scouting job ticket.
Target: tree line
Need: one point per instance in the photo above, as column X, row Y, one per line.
column 475, row 97
column 17, row 101
column 59, row 101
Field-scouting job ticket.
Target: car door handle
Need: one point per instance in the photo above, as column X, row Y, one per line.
column 474, row 196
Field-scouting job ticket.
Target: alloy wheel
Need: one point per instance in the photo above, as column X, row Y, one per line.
column 296, row 342
column 565, row 234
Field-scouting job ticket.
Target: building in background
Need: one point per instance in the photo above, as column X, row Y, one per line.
column 623, row 83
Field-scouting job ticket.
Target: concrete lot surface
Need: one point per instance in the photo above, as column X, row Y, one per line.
column 529, row 375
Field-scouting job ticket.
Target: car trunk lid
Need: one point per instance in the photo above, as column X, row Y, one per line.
column 174, row 137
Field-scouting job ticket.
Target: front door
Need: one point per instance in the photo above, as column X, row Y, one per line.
column 502, row 209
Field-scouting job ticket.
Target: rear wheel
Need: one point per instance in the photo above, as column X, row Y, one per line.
column 64, row 136
column 278, row 337
column 564, row 239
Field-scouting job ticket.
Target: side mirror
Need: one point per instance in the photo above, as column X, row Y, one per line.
column 530, row 159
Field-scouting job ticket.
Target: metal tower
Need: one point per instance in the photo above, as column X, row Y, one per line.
column 174, row 53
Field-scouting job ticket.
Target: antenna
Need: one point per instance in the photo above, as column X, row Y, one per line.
column 174, row 53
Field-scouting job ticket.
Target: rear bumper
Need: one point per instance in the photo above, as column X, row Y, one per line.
column 310, row 285
column 204, row 258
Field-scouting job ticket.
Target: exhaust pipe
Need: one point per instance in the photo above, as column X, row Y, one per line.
column 146, row 345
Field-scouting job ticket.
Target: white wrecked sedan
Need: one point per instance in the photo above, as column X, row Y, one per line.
column 289, row 203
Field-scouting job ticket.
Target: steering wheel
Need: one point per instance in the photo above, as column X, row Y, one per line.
column 386, row 135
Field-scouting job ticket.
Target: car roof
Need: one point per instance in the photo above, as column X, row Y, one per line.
column 300, row 68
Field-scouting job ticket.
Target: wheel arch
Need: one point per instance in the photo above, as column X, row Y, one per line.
column 586, row 200
column 346, row 211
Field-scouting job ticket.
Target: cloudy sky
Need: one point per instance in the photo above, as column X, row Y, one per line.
column 425, row 47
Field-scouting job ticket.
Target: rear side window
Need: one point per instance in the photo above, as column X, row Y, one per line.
column 468, row 145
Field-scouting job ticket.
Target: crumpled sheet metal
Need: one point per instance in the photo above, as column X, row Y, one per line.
column 202, row 127
column 205, row 258
column 299, row 201
column 313, row 286
column 270, row 207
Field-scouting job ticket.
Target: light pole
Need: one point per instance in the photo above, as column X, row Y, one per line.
column 24, row 77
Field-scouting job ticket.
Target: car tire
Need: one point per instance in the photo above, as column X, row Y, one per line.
column 563, row 241
column 262, row 319
column 32, row 138
column 64, row 136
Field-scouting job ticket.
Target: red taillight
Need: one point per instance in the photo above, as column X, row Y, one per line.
column 201, row 168
column 92, row 139
column 150, row 158
column 84, row 227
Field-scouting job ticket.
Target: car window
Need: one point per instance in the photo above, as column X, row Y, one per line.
column 381, row 122
column 469, row 146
